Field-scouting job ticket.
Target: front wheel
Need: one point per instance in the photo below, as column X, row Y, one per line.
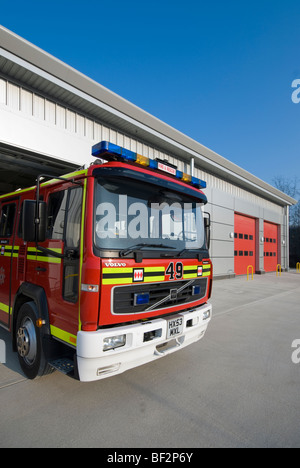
column 29, row 343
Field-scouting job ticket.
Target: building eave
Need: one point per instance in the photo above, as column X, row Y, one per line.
column 35, row 69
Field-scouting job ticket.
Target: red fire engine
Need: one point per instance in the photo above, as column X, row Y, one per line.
column 106, row 268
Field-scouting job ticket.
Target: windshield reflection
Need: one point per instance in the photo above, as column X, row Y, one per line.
column 128, row 213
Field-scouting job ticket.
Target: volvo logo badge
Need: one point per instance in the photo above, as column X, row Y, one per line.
column 173, row 294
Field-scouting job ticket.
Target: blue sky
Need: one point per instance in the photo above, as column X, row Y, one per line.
column 220, row 72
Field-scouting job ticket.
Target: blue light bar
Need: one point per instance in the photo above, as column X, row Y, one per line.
column 100, row 149
column 110, row 151
column 198, row 182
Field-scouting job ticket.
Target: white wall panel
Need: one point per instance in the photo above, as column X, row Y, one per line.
column 223, row 215
column 89, row 129
column 70, row 121
column 113, row 136
column 32, row 122
column 97, row 131
column 223, row 266
column 50, row 112
column 80, row 125
column 2, row 91
column 222, row 232
column 13, row 96
column 60, row 116
column 273, row 217
column 38, row 107
column 26, row 104
column 120, row 139
column 30, row 134
column 222, row 249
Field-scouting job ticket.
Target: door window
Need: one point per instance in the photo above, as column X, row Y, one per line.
column 7, row 220
column 64, row 223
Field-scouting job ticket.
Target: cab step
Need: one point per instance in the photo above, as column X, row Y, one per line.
column 64, row 365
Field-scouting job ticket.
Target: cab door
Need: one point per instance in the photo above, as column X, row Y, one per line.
column 60, row 276
column 8, row 252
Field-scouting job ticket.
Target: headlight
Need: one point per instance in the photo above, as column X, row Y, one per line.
column 113, row 342
column 206, row 315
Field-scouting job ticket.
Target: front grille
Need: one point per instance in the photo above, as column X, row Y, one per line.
column 123, row 296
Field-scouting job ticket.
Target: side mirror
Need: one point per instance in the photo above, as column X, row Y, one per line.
column 33, row 226
column 207, row 228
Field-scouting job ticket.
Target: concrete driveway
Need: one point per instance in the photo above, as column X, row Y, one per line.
column 238, row 387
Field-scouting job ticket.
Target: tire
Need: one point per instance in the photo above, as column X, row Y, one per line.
column 29, row 343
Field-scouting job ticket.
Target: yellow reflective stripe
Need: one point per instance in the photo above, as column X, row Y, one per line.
column 63, row 335
column 16, row 247
column 19, row 192
column 115, row 271
column 81, row 245
column 34, row 249
column 206, row 270
column 10, row 251
column 35, row 254
column 187, row 268
column 189, row 272
column 31, row 250
column 149, row 279
column 67, row 176
column 154, row 269
column 71, row 276
column 129, row 272
column 190, row 275
column 52, row 181
column 118, row 281
column 159, row 277
column 49, row 259
column 5, row 308
column 76, row 173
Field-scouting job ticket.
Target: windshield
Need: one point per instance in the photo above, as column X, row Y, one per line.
column 131, row 213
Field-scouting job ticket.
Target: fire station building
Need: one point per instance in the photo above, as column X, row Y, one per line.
column 51, row 115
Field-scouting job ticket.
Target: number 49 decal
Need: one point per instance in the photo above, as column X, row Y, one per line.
column 175, row 272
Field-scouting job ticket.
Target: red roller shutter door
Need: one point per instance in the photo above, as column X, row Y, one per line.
column 244, row 244
column 270, row 246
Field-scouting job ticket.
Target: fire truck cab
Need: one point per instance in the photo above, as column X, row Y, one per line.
column 106, row 268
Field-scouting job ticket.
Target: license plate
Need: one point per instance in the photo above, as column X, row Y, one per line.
column 174, row 327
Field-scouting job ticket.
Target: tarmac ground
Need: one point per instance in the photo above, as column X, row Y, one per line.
column 237, row 387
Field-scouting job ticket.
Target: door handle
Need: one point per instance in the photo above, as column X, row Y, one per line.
column 40, row 268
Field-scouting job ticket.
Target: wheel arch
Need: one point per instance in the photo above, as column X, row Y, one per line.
column 31, row 293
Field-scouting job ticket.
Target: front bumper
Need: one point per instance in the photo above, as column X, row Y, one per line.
column 145, row 342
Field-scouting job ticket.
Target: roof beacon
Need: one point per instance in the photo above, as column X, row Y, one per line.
column 112, row 152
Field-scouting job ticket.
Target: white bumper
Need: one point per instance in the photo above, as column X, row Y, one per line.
column 145, row 342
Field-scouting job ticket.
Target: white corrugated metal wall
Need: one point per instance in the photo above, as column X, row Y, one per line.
column 63, row 133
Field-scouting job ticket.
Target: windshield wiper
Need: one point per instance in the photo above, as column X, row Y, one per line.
column 181, row 252
column 127, row 251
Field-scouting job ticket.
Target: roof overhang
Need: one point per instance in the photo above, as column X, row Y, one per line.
column 35, row 69
column 20, row 168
